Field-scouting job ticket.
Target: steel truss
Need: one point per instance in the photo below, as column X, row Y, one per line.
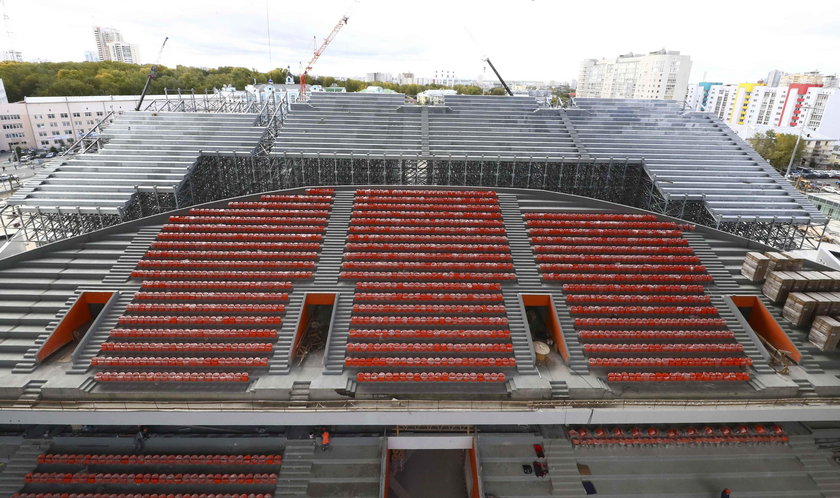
column 220, row 176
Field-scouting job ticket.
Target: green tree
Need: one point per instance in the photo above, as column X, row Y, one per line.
column 497, row 91
column 777, row 148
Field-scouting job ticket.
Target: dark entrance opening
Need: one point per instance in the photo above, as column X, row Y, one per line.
column 428, row 472
column 313, row 327
column 73, row 327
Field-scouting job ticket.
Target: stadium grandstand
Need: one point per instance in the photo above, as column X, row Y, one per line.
column 380, row 339
column 651, row 155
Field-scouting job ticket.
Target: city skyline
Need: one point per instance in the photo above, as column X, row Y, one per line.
column 534, row 40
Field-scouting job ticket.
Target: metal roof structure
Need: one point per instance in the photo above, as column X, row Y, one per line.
column 647, row 154
column 429, row 329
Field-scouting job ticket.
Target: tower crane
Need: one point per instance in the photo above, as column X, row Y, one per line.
column 317, row 54
column 507, row 88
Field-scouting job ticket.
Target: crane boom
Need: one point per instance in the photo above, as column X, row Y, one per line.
column 317, row 54
column 507, row 88
column 152, row 75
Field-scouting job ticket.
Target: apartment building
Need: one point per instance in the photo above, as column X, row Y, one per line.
column 43, row 122
column 110, row 46
column 659, row 75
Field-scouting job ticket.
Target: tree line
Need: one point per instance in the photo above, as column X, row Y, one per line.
column 53, row 79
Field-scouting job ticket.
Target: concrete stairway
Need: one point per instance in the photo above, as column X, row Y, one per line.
column 351, row 467
column 100, row 335
column 279, row 363
column 299, row 396
column 562, row 468
column 295, row 473
column 24, row 460
column 818, row 463
column 501, row 458
column 334, row 355
column 332, row 248
column 31, row 393
column 751, row 349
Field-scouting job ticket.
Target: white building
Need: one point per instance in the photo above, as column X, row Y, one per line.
column 658, row 75
column 124, row 52
column 43, row 122
column 12, row 56
column 91, row 56
column 4, row 99
column 110, row 46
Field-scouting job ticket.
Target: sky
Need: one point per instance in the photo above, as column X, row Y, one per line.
column 729, row 41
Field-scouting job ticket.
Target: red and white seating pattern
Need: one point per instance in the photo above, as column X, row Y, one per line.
column 213, row 292
column 428, row 303
column 682, row 435
column 141, row 475
column 635, row 290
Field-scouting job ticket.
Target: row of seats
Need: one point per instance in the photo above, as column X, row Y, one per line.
column 424, row 347
column 219, row 347
column 676, row 323
column 157, row 459
column 195, row 333
column 237, row 246
column 253, row 276
column 423, row 266
column 602, row 232
column 191, row 264
column 547, row 249
column 462, row 209
column 589, row 216
column 303, row 211
column 708, row 431
column 276, row 210
column 124, row 478
column 470, row 362
column 619, row 268
column 250, row 237
column 199, row 320
column 632, row 289
column 427, row 256
column 234, row 255
column 627, row 278
column 169, row 361
column 643, row 310
column 494, row 309
column 450, row 239
column 608, row 241
column 142, row 495
column 652, row 225
column 429, row 286
column 110, row 376
column 435, row 222
column 430, row 320
column 436, row 334
column 238, row 229
column 678, row 377
column 617, row 258
column 425, row 193
column 437, row 296
column 666, row 362
column 211, row 296
column 640, row 335
column 413, row 247
column 416, row 199
column 420, row 230
column 663, row 348
column 657, row 441
column 430, row 377
column 204, row 308
column 220, row 285
column 420, row 214
column 431, row 275
column 638, row 298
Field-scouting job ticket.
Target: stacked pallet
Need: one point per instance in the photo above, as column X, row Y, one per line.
column 825, row 333
column 756, row 265
column 780, row 284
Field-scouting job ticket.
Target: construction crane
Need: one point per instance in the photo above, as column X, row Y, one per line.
column 317, row 54
column 507, row 88
column 152, row 75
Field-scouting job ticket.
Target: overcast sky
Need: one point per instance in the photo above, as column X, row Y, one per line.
column 729, row 41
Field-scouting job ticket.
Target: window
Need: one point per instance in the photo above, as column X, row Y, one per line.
column 38, row 116
column 14, row 135
column 12, row 126
column 65, row 123
column 9, row 117
column 64, row 115
column 39, row 125
column 100, row 113
column 90, row 121
column 68, row 132
column 42, row 134
column 45, row 142
column 77, row 115
column 78, row 122
column 87, row 114
column 53, row 125
column 50, row 116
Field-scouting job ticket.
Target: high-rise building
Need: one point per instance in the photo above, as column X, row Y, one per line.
column 697, row 96
column 659, row 75
column 124, row 52
column 773, row 77
column 12, row 56
column 104, row 36
column 91, row 56
column 4, row 99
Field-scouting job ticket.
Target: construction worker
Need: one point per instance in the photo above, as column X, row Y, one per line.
column 325, row 440
column 140, row 439
column 725, row 493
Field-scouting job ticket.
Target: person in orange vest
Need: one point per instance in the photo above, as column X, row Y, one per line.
column 725, row 493
column 325, row 440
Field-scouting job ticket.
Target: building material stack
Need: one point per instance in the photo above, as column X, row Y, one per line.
column 825, row 333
